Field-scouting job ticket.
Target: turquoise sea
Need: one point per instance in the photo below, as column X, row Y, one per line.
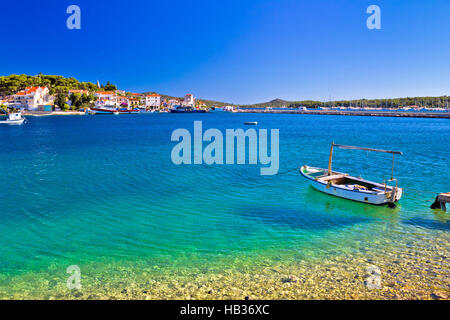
column 103, row 191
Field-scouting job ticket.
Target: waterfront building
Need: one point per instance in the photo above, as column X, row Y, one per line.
column 109, row 96
column 173, row 102
column 122, row 100
column 189, row 100
column 153, row 101
column 134, row 101
column 31, row 98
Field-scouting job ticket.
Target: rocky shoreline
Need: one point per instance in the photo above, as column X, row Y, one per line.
column 402, row 276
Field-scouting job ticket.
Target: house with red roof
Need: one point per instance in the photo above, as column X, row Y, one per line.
column 32, row 98
column 134, row 102
column 105, row 98
column 122, row 101
column 153, row 100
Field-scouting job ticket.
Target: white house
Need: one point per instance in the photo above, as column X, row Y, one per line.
column 107, row 96
column 173, row 102
column 188, row 100
column 152, row 100
column 32, row 97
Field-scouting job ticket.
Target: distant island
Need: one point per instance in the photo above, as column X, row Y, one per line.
column 387, row 103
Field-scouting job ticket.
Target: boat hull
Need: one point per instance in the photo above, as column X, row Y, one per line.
column 132, row 111
column 370, row 197
column 184, row 111
column 103, row 111
column 20, row 121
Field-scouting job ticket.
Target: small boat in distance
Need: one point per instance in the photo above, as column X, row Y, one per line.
column 129, row 111
column 185, row 109
column 251, row 123
column 353, row 188
column 104, row 110
column 180, row 109
column 217, row 109
column 13, row 118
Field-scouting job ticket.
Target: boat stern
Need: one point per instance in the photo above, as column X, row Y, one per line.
column 398, row 194
column 393, row 198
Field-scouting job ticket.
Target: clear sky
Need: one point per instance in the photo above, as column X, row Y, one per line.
column 236, row 51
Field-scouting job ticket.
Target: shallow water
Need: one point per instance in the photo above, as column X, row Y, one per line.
column 103, row 194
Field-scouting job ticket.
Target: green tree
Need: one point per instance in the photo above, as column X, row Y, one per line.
column 110, row 87
column 76, row 100
column 60, row 99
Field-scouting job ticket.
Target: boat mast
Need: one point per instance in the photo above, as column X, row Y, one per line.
column 341, row 146
column 330, row 160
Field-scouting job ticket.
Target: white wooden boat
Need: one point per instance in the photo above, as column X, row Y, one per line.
column 13, row 118
column 345, row 186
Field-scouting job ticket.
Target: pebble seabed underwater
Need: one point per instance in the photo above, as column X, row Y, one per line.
column 410, row 274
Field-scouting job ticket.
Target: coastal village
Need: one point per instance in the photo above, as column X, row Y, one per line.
column 35, row 100
column 57, row 95
column 38, row 100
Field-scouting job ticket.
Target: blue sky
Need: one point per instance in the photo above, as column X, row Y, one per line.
column 236, row 51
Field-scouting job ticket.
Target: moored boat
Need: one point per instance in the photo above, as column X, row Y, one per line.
column 104, row 110
column 345, row 186
column 217, row 109
column 185, row 109
column 13, row 118
column 128, row 111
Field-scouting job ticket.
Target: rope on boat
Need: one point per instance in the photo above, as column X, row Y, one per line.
column 420, row 194
column 260, row 178
column 419, row 191
column 284, row 172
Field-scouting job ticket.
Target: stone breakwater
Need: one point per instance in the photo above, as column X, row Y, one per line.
column 443, row 115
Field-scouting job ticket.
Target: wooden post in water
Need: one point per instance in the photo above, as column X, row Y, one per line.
column 441, row 200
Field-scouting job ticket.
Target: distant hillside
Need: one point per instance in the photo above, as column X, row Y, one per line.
column 56, row 84
column 274, row 103
column 434, row 102
column 279, row 103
